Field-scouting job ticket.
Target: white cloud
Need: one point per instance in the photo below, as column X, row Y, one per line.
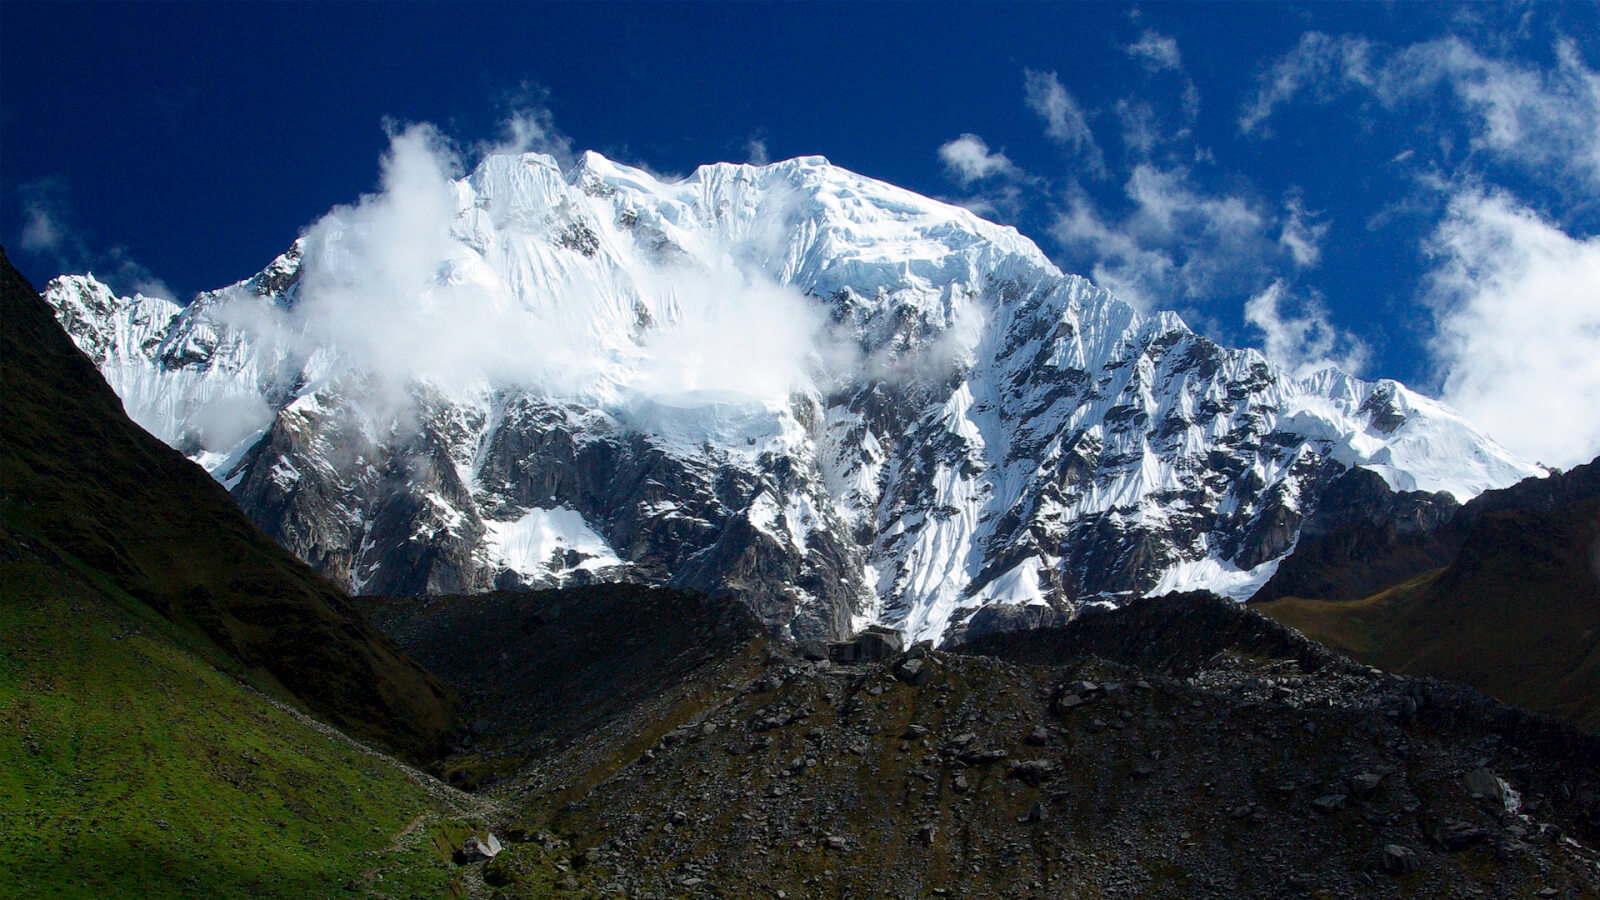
column 1300, row 236
column 1305, row 343
column 41, row 231
column 1000, row 202
column 1191, row 101
column 756, row 153
column 1143, row 276
column 125, row 270
column 48, row 233
column 1182, row 244
column 1535, row 117
column 1517, row 303
column 1147, row 132
column 1516, row 299
column 527, row 126
column 1167, row 200
column 45, row 228
column 394, row 293
column 1140, row 129
column 1156, row 52
column 1545, row 119
column 968, row 159
column 1320, row 65
column 1064, row 120
column 370, row 280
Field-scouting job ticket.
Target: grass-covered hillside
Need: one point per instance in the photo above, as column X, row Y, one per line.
column 157, row 654
column 132, row 766
column 81, row 476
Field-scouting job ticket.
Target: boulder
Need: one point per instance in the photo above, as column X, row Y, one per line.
column 873, row 645
column 1035, row 813
column 983, row 757
column 1033, row 771
column 915, row 672
column 477, row 849
column 1365, row 783
column 1398, row 860
column 1454, row 834
column 1483, row 783
column 1329, row 802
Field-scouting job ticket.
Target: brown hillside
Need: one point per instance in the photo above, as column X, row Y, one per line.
column 1516, row 614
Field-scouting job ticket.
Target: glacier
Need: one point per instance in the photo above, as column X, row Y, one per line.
column 840, row 401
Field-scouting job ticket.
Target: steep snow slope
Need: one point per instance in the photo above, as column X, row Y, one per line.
column 841, row 401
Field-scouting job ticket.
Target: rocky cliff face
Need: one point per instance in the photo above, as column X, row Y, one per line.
column 841, row 402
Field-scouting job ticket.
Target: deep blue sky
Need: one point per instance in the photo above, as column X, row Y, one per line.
column 1388, row 182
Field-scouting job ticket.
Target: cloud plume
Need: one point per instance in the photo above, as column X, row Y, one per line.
column 1517, row 303
column 401, row 287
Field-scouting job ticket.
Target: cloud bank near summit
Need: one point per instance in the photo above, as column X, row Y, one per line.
column 388, row 285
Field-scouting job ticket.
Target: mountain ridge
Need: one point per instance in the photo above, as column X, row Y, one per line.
column 1502, row 593
column 839, row 401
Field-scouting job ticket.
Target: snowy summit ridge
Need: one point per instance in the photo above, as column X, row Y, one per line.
column 839, row 400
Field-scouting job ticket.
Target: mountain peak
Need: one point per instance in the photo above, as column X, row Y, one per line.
column 834, row 398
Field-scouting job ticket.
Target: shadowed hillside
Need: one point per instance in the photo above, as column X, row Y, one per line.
column 656, row 743
column 1503, row 595
column 92, row 487
column 131, row 766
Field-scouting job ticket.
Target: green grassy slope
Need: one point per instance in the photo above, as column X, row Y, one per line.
column 1516, row 615
column 79, row 475
column 130, row 766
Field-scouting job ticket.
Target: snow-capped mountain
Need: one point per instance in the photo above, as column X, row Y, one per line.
column 840, row 401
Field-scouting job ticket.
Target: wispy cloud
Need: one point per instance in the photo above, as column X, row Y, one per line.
column 1180, row 243
column 755, row 151
column 1141, row 126
column 526, row 126
column 48, row 233
column 968, row 159
column 45, row 231
column 1065, row 122
column 1544, row 119
column 1156, row 52
column 1320, row 67
column 1517, row 303
column 1300, row 234
column 999, row 202
column 1513, row 294
column 1304, row 343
